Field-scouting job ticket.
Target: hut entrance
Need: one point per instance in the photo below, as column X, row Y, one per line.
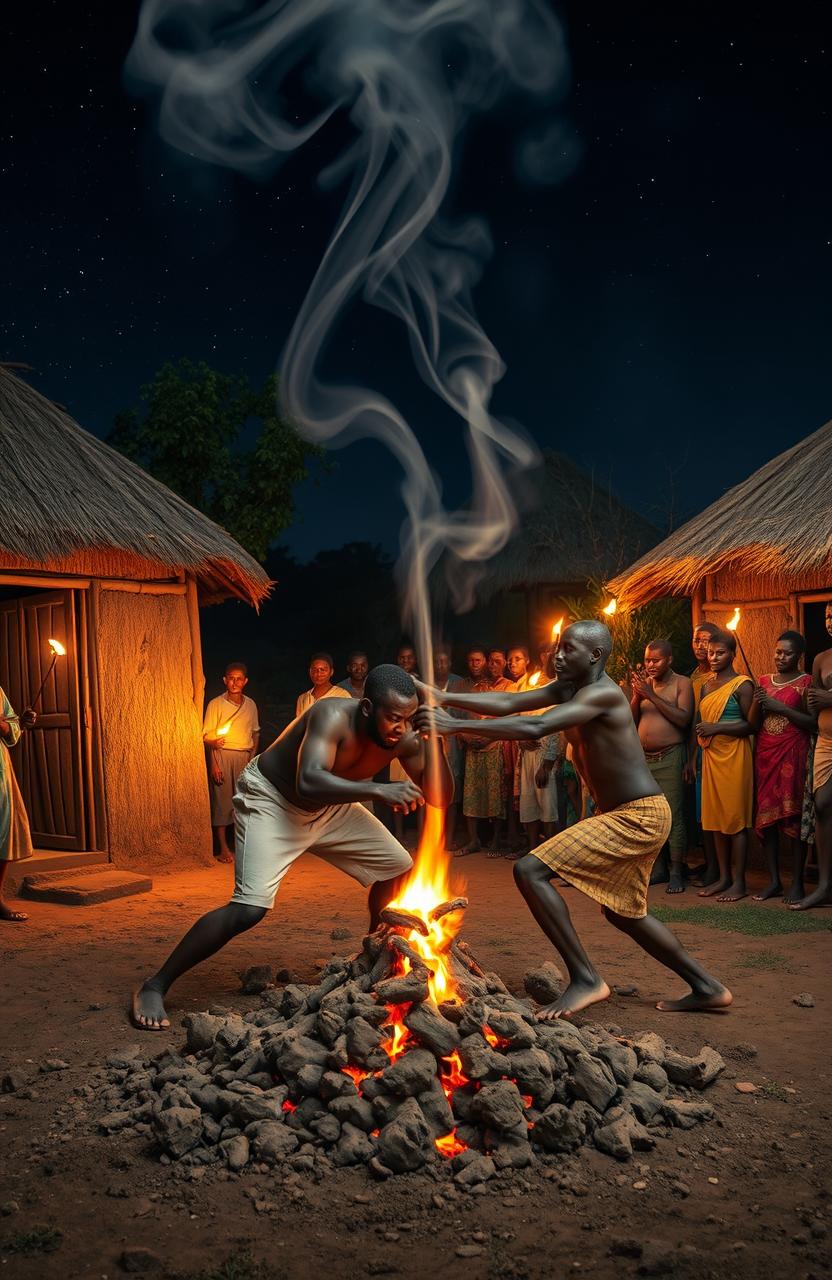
column 53, row 761
column 813, row 624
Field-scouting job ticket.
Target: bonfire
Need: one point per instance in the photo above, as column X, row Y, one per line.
column 407, row 1055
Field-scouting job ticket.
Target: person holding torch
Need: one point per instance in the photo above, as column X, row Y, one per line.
column 15, row 837
column 231, row 733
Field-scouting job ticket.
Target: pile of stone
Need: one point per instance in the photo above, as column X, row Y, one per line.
column 306, row 1078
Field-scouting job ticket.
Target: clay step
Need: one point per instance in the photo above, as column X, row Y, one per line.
column 84, row 886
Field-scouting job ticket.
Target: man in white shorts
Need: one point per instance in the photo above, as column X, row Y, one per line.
column 304, row 794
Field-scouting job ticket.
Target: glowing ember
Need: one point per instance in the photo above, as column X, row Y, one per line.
column 734, row 622
column 355, row 1074
column 450, row 1145
column 394, row 1047
column 609, row 609
column 289, row 1106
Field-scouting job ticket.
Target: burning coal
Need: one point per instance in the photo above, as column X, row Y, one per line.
column 407, row 1056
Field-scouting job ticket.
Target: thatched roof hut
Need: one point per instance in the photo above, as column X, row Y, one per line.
column 765, row 546
column 573, row 529
column 71, row 500
column 97, row 554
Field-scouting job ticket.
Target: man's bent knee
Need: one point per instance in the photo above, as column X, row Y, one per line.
column 244, row 916
column 530, row 871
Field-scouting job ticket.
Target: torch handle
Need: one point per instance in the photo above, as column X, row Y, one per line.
column 37, row 696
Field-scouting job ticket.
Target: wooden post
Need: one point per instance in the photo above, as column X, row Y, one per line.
column 97, row 755
column 197, row 673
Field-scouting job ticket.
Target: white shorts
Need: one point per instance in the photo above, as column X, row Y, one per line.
column 537, row 804
column 271, row 834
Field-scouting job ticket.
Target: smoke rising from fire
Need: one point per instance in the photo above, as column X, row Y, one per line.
column 409, row 74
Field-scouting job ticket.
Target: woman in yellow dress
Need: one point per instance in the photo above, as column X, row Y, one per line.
column 723, row 732
column 15, row 839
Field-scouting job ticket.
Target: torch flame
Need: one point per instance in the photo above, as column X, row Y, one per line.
column 223, row 729
column 556, row 630
column 610, row 608
column 734, row 622
column 535, row 679
column 57, row 648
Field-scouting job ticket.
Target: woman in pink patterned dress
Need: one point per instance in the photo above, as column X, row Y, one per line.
column 783, row 726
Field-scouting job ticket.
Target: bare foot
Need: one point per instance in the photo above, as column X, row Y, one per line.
column 149, row 1009
column 473, row 846
column 224, row 855
column 774, row 890
column 676, row 884
column 734, row 892
column 719, row 886
column 819, row 898
column 713, row 998
column 796, row 893
column 577, row 996
column 15, row 917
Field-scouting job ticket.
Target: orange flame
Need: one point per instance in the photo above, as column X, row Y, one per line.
column 610, row 608
column 56, row 647
column 223, row 729
column 556, row 630
column 450, row 1145
column 429, row 885
column 734, row 622
column 535, row 680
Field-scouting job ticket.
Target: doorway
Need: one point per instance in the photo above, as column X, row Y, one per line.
column 52, row 761
column 813, row 624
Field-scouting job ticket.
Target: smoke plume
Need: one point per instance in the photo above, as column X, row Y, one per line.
column 409, row 74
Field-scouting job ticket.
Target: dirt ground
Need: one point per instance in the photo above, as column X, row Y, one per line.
column 753, row 1189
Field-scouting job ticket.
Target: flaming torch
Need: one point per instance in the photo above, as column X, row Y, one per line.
column 223, row 729
column 556, row 630
column 610, row 609
column 733, row 625
column 58, row 651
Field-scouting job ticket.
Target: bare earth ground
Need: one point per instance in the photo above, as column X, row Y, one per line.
column 758, row 1182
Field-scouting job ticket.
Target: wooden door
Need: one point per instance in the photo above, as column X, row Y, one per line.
column 48, row 761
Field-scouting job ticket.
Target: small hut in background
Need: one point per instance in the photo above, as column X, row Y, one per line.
column 765, row 547
column 573, row 529
column 101, row 557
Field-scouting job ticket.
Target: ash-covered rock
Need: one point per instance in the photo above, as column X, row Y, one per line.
column 362, row 1068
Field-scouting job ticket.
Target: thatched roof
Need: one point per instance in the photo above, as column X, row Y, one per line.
column 778, row 521
column 574, row 529
column 72, row 504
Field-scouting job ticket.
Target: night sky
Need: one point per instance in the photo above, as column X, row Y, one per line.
column 664, row 310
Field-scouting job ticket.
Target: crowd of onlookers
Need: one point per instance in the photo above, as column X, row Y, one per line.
column 732, row 754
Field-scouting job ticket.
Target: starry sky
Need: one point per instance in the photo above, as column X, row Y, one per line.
column 663, row 309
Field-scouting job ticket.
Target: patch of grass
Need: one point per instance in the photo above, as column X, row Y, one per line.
column 755, row 922
column 39, row 1239
column 771, row 1089
column 766, row 960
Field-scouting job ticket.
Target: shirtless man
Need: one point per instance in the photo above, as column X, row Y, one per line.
column 662, row 706
column 303, row 794
column 819, row 700
column 609, row 855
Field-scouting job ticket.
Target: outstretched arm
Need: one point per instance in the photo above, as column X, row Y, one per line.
column 502, row 704
column 580, row 709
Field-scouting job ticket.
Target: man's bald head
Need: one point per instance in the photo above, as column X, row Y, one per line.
column 592, row 634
